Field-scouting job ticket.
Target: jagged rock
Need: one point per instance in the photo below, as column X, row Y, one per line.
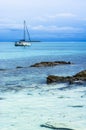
column 53, row 63
column 81, row 75
column 78, row 78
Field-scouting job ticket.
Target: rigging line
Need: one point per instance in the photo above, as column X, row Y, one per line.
column 28, row 34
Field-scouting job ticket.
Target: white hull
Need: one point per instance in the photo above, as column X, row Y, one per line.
column 22, row 43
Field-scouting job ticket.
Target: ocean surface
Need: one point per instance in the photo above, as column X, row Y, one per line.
column 26, row 101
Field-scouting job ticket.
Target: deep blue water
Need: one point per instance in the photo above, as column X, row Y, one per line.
column 11, row 57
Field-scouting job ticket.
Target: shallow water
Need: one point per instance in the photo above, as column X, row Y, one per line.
column 26, row 101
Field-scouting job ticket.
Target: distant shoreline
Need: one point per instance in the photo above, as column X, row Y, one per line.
column 35, row 41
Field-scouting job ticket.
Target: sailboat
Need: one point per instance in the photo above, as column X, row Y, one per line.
column 24, row 42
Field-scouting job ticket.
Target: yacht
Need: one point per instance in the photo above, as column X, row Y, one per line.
column 24, row 42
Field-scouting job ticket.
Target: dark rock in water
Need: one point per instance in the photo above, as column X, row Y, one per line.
column 53, row 127
column 77, row 106
column 1, row 98
column 81, row 75
column 53, row 63
column 53, row 78
column 2, row 69
column 18, row 67
column 79, row 78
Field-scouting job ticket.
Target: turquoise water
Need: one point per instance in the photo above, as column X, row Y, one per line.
column 73, row 51
column 11, row 57
column 9, row 51
column 26, row 101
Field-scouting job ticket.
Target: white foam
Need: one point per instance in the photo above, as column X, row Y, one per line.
column 23, row 111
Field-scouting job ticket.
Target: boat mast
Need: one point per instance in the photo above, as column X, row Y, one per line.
column 24, row 29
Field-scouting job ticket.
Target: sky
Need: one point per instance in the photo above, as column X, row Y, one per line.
column 47, row 20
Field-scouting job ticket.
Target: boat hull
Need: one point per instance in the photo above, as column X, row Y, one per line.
column 23, row 43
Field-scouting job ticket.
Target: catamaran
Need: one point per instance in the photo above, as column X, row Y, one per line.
column 24, row 42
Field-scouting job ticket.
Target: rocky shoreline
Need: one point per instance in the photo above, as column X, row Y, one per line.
column 78, row 78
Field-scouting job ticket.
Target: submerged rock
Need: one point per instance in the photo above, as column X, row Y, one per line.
column 19, row 67
column 53, row 127
column 79, row 78
column 53, row 63
column 1, row 98
column 77, row 106
column 2, row 69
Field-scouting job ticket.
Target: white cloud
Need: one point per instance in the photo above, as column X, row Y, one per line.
column 10, row 24
column 40, row 19
column 57, row 29
column 5, row 26
column 49, row 18
column 66, row 15
column 62, row 15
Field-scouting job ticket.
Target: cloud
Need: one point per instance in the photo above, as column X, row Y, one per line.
column 62, row 15
column 44, row 25
column 7, row 24
column 40, row 19
column 57, row 29
column 46, row 18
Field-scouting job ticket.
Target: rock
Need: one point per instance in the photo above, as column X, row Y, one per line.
column 53, row 127
column 2, row 69
column 81, row 75
column 1, row 98
column 79, row 78
column 52, row 78
column 77, row 106
column 19, row 67
column 53, row 63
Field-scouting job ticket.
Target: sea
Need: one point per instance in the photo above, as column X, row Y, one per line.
column 27, row 102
